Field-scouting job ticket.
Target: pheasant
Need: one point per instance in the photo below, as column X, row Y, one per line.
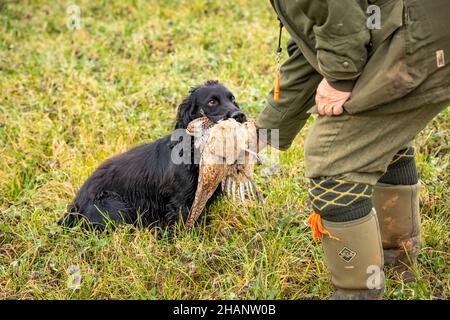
column 227, row 155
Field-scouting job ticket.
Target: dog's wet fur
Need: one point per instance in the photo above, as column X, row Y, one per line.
column 143, row 185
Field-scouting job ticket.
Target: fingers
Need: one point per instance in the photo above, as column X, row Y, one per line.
column 330, row 101
column 326, row 109
column 321, row 109
column 337, row 110
column 321, row 105
column 319, row 98
column 330, row 109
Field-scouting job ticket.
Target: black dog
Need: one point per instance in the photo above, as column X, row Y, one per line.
column 144, row 184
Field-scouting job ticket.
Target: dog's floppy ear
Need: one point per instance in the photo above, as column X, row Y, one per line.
column 187, row 111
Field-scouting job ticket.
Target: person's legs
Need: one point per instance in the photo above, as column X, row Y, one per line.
column 345, row 157
column 351, row 236
column 396, row 201
column 299, row 81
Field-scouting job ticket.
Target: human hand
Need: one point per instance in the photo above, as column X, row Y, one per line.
column 330, row 101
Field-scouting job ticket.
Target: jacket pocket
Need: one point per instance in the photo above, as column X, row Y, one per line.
column 336, row 66
column 387, row 75
column 404, row 59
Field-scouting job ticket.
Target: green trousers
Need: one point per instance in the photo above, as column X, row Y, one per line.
column 387, row 108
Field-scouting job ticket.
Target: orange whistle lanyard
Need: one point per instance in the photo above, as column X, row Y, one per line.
column 277, row 89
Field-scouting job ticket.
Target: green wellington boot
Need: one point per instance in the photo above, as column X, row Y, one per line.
column 354, row 257
column 397, row 207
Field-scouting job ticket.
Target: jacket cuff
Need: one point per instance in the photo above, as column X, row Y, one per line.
column 342, row 85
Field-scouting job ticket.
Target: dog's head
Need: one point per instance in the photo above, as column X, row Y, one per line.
column 212, row 100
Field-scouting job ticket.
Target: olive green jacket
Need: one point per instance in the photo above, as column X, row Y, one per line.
column 381, row 65
column 332, row 35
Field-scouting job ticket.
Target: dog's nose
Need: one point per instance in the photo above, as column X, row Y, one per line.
column 238, row 116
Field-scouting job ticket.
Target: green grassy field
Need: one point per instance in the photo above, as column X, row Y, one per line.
column 69, row 99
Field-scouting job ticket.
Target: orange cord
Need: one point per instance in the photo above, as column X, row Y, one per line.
column 276, row 92
column 317, row 228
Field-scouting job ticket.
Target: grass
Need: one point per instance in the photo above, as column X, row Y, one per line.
column 71, row 99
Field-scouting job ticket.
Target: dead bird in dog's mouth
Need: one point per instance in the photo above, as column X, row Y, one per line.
column 227, row 155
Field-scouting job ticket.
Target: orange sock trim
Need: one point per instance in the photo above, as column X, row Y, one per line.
column 317, row 228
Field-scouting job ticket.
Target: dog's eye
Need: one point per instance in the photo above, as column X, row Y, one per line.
column 233, row 99
column 212, row 103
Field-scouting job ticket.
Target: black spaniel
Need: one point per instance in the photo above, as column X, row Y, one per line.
column 149, row 184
